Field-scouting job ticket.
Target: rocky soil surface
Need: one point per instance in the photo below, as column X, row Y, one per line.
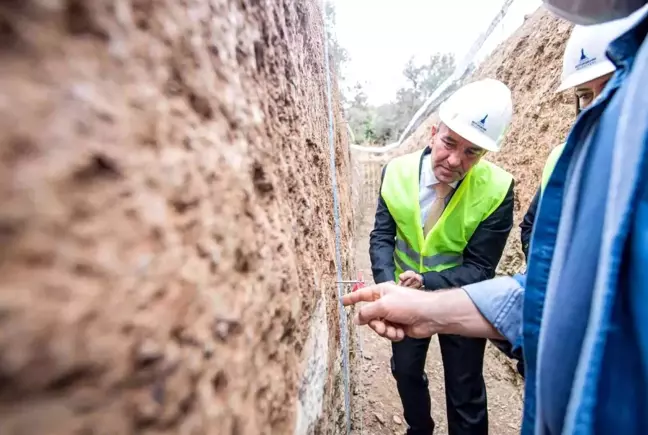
column 166, row 217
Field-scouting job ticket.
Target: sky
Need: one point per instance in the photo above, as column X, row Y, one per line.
column 382, row 35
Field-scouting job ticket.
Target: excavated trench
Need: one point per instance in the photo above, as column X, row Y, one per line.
column 167, row 231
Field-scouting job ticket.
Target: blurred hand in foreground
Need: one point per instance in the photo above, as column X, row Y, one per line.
column 411, row 279
column 393, row 311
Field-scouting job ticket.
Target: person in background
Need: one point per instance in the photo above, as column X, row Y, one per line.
column 443, row 218
column 586, row 71
column 580, row 313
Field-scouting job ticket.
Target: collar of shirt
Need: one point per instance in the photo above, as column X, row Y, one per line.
column 427, row 174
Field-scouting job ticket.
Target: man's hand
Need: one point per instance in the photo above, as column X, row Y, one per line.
column 394, row 311
column 410, row 279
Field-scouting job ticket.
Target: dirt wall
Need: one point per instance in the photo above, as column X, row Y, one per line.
column 166, row 219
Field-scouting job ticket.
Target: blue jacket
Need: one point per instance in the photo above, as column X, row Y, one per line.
column 609, row 389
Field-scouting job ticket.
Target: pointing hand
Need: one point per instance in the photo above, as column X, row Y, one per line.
column 393, row 311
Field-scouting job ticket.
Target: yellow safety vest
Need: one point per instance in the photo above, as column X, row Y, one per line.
column 480, row 193
column 550, row 164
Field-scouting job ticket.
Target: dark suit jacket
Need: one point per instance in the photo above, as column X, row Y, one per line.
column 526, row 227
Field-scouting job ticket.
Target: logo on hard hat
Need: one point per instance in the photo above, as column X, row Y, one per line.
column 584, row 60
column 481, row 124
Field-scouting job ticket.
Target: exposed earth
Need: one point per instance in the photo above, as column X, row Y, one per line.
column 167, row 239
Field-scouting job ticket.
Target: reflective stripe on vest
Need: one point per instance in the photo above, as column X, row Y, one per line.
column 431, row 261
column 480, row 193
column 550, row 164
column 400, row 265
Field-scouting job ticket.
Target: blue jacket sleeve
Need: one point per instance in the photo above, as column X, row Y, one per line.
column 500, row 301
column 382, row 242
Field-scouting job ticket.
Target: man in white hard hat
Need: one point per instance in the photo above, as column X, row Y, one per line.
column 443, row 218
column 580, row 314
column 586, row 71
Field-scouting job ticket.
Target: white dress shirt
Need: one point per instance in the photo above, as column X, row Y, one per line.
column 427, row 194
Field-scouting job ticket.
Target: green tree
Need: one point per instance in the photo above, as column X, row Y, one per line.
column 383, row 124
column 439, row 68
column 360, row 115
column 422, row 80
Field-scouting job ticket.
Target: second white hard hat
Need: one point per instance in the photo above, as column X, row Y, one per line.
column 480, row 112
column 588, row 12
column 585, row 57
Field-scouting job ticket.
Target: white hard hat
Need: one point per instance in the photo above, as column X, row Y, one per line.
column 588, row 12
column 585, row 57
column 480, row 112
